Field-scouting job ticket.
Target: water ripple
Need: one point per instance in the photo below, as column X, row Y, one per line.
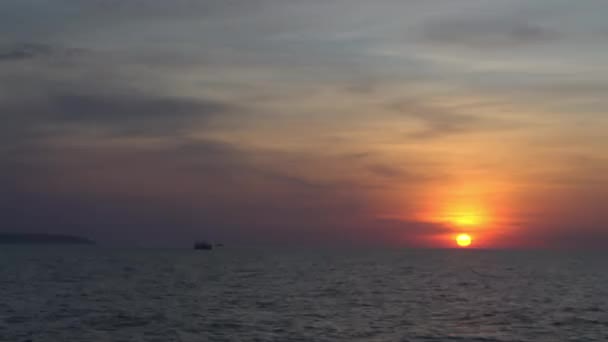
column 102, row 295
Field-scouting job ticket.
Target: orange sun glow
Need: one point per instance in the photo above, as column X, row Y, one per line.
column 463, row 240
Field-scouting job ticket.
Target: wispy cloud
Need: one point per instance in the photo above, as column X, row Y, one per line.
column 488, row 33
column 440, row 121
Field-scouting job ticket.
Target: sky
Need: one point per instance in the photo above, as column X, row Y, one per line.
column 306, row 122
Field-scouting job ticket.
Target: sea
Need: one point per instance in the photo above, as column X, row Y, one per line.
column 69, row 294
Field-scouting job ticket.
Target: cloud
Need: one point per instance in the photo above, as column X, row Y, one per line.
column 361, row 231
column 30, row 128
column 487, row 33
column 24, row 51
column 441, row 121
column 567, row 235
column 131, row 114
column 180, row 8
column 89, row 94
column 401, row 174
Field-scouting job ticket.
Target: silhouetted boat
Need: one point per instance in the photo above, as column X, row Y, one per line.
column 202, row 245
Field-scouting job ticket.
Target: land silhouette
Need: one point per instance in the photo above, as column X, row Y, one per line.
column 18, row 238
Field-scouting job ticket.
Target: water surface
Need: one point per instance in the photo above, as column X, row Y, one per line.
column 97, row 294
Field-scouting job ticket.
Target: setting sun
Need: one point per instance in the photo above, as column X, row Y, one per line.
column 463, row 240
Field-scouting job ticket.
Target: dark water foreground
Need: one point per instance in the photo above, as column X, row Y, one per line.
column 80, row 294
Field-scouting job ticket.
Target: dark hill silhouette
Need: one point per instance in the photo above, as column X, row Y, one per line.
column 16, row 238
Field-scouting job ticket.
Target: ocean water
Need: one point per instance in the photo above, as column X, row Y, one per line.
column 97, row 294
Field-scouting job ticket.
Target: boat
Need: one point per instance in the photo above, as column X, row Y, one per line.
column 202, row 245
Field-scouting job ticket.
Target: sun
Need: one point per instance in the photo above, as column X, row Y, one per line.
column 463, row 240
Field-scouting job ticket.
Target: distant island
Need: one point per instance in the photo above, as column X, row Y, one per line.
column 54, row 239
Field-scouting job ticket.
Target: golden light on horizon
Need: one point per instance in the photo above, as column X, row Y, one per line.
column 481, row 210
column 466, row 219
column 463, row 240
column 469, row 216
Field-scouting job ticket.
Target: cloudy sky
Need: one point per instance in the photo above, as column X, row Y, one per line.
column 388, row 122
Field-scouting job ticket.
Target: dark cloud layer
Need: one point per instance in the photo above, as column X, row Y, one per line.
column 173, row 193
column 86, row 93
column 23, row 51
column 130, row 114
